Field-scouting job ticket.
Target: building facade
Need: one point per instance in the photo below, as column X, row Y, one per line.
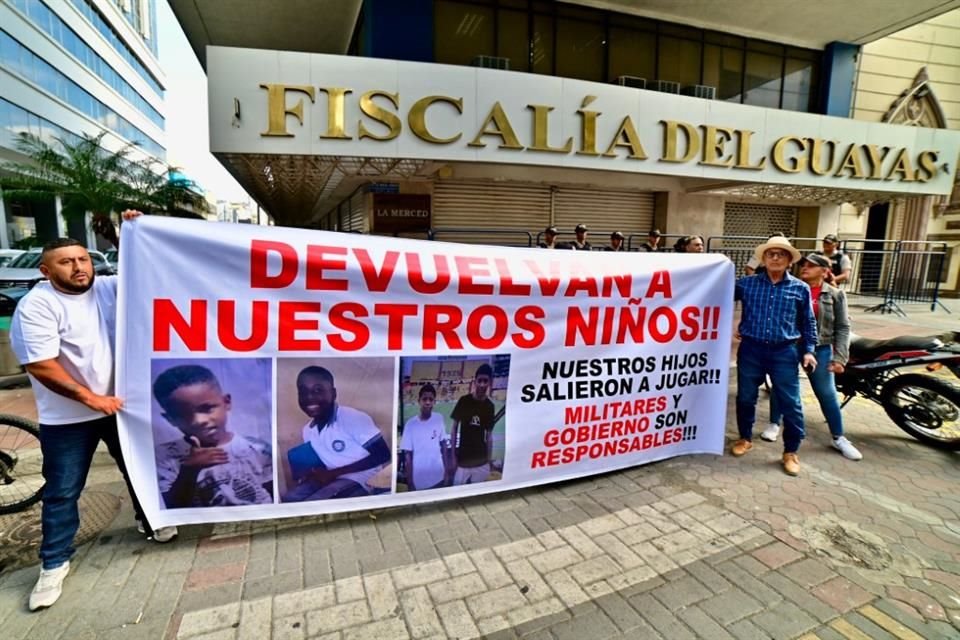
column 913, row 77
column 487, row 120
column 74, row 67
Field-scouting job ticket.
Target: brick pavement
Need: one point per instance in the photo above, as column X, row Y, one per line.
column 696, row 547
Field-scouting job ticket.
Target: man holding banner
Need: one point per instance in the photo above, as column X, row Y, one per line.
column 776, row 314
column 63, row 333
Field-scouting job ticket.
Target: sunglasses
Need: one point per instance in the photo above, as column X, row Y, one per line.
column 774, row 253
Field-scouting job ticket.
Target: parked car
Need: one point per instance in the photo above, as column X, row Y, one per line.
column 24, row 270
column 6, row 255
column 113, row 257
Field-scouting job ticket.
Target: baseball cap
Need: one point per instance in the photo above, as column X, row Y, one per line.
column 830, row 237
column 551, row 230
column 581, row 227
column 616, row 234
column 817, row 259
column 654, row 232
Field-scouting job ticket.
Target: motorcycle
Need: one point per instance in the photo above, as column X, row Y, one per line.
column 925, row 406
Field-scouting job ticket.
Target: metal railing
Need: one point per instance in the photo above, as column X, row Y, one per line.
column 498, row 237
column 895, row 271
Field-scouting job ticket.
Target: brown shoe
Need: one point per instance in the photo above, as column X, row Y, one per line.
column 740, row 447
column 791, row 464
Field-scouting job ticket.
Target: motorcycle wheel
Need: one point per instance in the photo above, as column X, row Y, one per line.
column 925, row 407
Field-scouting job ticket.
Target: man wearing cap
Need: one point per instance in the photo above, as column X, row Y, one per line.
column 776, row 314
column 833, row 328
column 581, row 243
column 839, row 262
column 549, row 238
column 616, row 242
column 653, row 241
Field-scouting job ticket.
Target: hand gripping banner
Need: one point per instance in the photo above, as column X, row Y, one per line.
column 272, row 372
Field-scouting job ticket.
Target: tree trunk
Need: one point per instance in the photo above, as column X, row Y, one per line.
column 102, row 224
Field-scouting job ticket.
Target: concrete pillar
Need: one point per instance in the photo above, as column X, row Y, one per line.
column 679, row 213
column 829, row 220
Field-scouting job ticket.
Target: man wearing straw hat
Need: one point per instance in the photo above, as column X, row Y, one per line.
column 778, row 331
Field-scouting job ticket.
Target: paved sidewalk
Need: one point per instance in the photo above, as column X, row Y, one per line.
column 695, row 547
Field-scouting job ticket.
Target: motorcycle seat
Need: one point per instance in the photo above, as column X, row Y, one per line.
column 867, row 349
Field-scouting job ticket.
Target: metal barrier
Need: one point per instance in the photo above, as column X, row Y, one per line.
column 499, row 237
column 667, row 240
column 895, row 271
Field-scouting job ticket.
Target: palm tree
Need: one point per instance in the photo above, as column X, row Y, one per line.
column 87, row 177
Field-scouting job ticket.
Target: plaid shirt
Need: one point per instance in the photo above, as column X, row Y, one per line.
column 776, row 313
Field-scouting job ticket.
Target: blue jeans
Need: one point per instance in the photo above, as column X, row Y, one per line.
column 67, row 453
column 824, row 388
column 756, row 360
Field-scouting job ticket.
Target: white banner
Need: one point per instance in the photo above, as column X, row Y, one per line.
column 273, row 372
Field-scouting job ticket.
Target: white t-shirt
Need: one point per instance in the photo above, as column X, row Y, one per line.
column 424, row 438
column 78, row 330
column 341, row 442
column 240, row 480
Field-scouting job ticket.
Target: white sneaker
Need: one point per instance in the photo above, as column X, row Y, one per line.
column 161, row 535
column 771, row 432
column 847, row 449
column 48, row 587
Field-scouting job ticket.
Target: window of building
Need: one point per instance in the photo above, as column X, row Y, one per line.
column 42, row 16
column 799, row 82
column 95, row 18
column 580, row 48
column 463, row 31
column 570, row 41
column 512, row 41
column 723, row 69
column 22, row 61
column 632, row 53
column 541, row 44
column 763, row 79
column 678, row 60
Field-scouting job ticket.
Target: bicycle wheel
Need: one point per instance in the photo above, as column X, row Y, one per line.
column 21, row 464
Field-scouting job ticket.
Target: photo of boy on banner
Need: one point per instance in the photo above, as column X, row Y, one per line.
column 452, row 420
column 340, row 452
column 201, row 460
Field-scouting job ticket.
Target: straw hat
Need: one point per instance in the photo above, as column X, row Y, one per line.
column 776, row 242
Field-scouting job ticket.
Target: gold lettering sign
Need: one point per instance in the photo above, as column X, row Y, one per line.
column 715, row 140
column 497, row 124
column 671, row 133
column 277, row 110
column 541, row 131
column 902, row 167
column 792, row 164
column 710, row 145
column 626, row 137
column 381, row 115
column 744, row 137
column 927, row 161
column 817, row 155
column 876, row 157
column 336, row 113
column 851, row 162
column 588, row 128
column 417, row 118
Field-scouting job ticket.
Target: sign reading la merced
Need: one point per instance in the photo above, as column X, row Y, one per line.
column 314, row 104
